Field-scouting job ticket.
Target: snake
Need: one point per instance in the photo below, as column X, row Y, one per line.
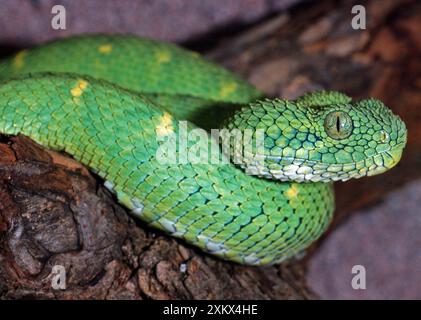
column 191, row 148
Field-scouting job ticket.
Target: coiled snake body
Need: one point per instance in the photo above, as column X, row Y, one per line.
column 115, row 103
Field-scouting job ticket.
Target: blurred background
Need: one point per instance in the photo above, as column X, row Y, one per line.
column 287, row 47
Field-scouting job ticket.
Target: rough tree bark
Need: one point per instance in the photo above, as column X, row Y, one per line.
column 54, row 212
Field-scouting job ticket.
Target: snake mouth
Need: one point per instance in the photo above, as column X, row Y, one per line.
column 303, row 170
column 393, row 156
column 390, row 158
column 396, row 154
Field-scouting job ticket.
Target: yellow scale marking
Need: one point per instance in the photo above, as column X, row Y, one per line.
column 163, row 56
column 165, row 127
column 79, row 88
column 227, row 89
column 105, row 48
column 19, row 59
column 292, row 192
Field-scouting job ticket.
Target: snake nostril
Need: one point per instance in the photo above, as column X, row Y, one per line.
column 384, row 137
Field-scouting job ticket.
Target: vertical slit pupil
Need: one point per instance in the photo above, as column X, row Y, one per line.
column 338, row 124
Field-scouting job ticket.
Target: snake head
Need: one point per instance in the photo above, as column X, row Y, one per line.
column 324, row 136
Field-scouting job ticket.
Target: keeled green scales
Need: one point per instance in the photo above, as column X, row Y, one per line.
column 114, row 102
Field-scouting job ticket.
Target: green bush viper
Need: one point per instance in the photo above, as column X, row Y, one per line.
column 116, row 104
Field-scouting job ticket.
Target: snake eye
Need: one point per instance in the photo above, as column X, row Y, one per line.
column 338, row 125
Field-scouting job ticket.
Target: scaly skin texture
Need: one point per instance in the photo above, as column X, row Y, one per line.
column 132, row 139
